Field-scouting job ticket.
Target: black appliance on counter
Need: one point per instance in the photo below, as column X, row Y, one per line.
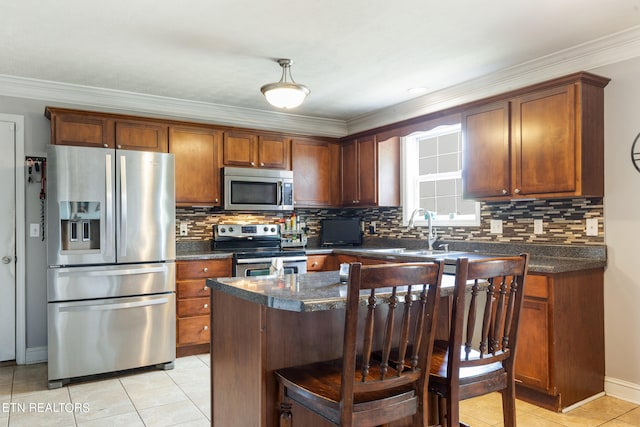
column 254, row 248
column 342, row 231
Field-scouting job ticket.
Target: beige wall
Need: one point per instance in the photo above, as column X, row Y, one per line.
column 622, row 230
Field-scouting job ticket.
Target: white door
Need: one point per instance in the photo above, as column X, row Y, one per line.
column 7, row 242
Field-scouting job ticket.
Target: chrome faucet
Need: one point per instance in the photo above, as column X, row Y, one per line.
column 433, row 234
column 412, row 219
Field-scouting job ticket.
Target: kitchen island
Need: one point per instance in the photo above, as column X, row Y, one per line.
column 262, row 324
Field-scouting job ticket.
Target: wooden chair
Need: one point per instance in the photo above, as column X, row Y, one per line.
column 358, row 390
column 483, row 361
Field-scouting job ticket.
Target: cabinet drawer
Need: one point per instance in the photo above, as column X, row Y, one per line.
column 193, row 307
column 321, row 263
column 192, row 289
column 193, row 330
column 203, row 269
column 536, row 286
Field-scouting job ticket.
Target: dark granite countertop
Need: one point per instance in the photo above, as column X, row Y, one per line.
column 296, row 292
column 545, row 259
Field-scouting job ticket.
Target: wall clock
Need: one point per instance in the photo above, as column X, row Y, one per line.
column 635, row 153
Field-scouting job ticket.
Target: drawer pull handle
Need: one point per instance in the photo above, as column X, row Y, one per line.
column 205, row 269
column 205, row 328
column 206, row 306
column 205, row 288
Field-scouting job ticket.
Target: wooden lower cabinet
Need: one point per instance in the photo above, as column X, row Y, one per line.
column 560, row 351
column 192, row 303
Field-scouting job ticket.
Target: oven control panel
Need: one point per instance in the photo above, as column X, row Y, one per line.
column 246, row 230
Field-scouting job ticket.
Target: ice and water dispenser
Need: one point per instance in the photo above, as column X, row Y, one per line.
column 79, row 225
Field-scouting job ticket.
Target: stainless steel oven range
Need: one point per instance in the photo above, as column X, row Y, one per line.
column 254, row 248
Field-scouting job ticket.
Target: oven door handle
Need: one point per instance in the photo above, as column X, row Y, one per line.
column 268, row 260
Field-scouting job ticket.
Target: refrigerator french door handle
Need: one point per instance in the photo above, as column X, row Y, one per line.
column 109, row 201
column 114, row 306
column 123, row 206
column 118, row 272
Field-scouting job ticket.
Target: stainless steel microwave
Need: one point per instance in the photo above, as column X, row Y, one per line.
column 257, row 189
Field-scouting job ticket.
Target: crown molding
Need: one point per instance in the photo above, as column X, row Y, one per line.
column 607, row 50
column 93, row 97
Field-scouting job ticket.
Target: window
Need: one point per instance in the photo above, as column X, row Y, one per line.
column 433, row 178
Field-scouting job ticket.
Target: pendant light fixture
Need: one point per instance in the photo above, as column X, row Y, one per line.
column 286, row 93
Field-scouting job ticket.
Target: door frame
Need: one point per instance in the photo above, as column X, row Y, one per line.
column 19, row 167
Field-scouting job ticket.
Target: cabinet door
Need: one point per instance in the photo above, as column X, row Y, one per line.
column 534, row 352
column 349, row 168
column 141, row 135
column 239, row 149
column 545, row 142
column 486, row 160
column 532, row 360
column 197, row 163
column 314, row 172
column 388, row 182
column 367, row 172
column 274, row 152
column 80, row 129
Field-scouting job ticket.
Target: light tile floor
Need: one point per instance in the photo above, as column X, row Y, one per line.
column 180, row 397
column 177, row 397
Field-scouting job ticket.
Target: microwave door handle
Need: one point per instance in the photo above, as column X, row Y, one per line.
column 280, row 193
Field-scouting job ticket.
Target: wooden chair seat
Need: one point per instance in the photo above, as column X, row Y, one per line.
column 492, row 374
column 397, row 308
column 317, row 387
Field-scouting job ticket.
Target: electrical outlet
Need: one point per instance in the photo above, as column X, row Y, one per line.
column 373, row 227
column 592, row 226
column 184, row 229
column 537, row 226
column 496, row 226
column 34, row 230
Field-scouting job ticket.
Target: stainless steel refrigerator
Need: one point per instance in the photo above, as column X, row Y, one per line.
column 111, row 257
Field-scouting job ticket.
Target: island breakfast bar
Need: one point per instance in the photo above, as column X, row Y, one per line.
column 261, row 324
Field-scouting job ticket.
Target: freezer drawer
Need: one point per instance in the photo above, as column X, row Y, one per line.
column 98, row 336
column 78, row 283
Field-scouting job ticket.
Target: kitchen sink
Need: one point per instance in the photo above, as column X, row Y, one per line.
column 388, row 250
column 434, row 252
column 405, row 251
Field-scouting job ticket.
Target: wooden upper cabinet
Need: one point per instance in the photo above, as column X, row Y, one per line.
column 350, row 170
column 371, row 172
column 239, row 149
column 546, row 157
column 367, row 172
column 91, row 129
column 197, row 152
column 70, row 127
column 545, row 142
column 486, row 148
column 274, row 151
column 141, row 135
column 247, row 149
column 314, row 164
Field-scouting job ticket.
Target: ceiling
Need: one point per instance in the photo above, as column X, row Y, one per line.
column 356, row 56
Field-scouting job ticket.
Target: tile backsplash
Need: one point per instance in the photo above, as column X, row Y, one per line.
column 563, row 222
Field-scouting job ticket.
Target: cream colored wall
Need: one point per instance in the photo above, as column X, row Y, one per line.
column 622, row 231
